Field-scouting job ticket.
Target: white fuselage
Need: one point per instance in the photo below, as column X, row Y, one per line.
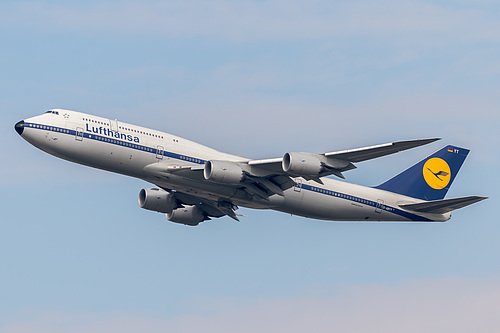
column 147, row 154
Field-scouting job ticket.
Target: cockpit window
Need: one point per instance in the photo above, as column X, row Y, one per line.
column 54, row 112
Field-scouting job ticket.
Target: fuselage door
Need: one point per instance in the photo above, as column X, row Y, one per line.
column 159, row 152
column 79, row 134
column 380, row 206
column 113, row 125
column 298, row 184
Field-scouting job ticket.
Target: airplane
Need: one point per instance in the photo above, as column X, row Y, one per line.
column 195, row 183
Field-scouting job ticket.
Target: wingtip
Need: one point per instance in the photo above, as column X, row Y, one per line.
column 423, row 142
column 430, row 140
column 416, row 142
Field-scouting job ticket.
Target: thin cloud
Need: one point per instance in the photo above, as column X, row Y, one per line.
column 444, row 305
column 262, row 20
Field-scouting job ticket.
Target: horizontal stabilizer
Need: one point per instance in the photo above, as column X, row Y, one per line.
column 442, row 206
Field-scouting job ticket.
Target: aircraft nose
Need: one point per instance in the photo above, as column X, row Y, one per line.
column 19, row 127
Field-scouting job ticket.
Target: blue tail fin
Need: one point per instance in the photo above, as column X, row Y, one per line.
column 431, row 178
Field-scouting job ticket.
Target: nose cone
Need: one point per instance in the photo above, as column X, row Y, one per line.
column 20, row 127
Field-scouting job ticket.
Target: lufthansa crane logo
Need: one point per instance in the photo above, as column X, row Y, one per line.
column 436, row 173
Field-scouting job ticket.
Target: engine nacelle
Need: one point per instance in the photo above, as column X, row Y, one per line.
column 302, row 164
column 223, row 172
column 157, row 200
column 188, row 215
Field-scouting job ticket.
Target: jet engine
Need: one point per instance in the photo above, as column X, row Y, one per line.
column 302, row 164
column 188, row 215
column 157, row 200
column 223, row 172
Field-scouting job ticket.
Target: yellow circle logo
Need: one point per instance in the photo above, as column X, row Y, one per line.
column 437, row 173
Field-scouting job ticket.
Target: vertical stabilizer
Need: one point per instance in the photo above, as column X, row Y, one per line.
column 431, row 178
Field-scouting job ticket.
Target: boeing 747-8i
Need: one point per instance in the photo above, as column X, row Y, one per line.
column 194, row 183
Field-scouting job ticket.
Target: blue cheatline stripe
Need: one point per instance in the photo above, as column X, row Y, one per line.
column 362, row 201
column 116, row 142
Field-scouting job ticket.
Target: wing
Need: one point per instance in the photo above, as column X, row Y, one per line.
column 337, row 162
column 368, row 153
column 264, row 178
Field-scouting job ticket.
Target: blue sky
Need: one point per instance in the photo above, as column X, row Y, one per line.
column 256, row 78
